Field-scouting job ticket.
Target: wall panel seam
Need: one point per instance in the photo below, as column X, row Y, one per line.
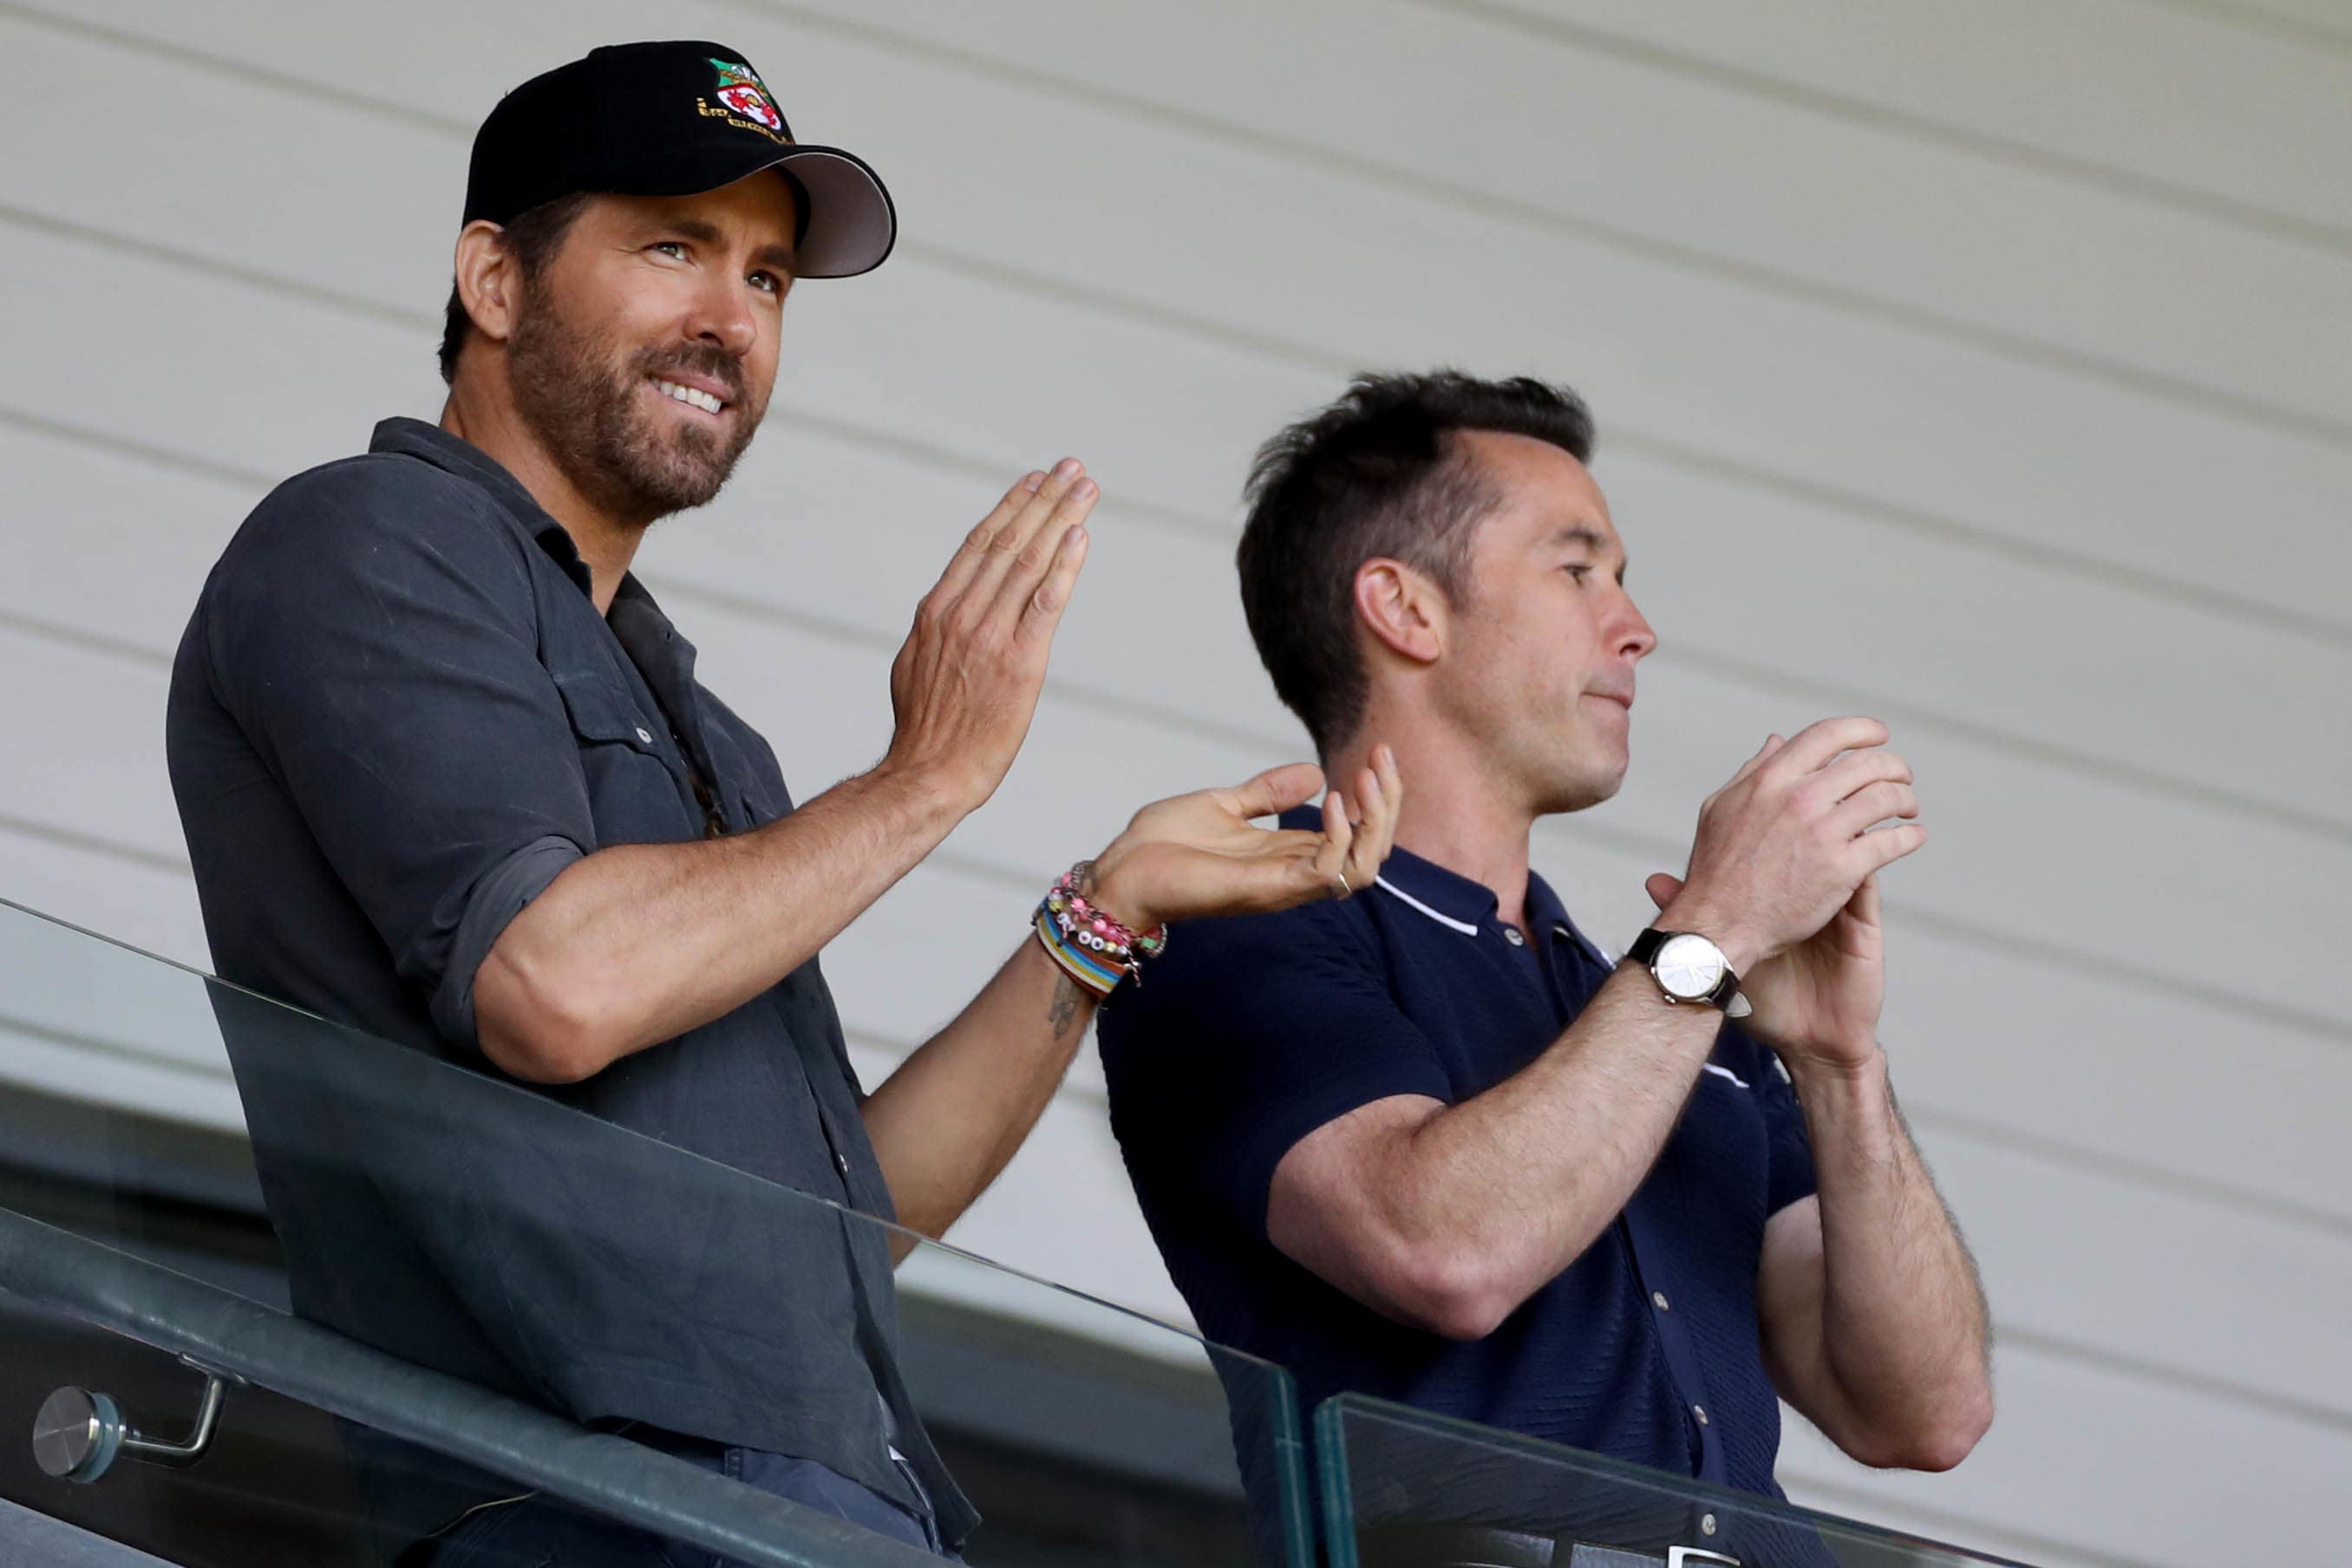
column 2018, row 348
column 1754, row 675
column 158, row 1060
column 1591, row 38
column 2131, row 1173
column 1852, row 1491
column 2264, row 21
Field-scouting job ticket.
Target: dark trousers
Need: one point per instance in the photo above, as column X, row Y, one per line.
column 542, row 1533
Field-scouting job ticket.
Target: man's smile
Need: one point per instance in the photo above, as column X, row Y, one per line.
column 693, row 396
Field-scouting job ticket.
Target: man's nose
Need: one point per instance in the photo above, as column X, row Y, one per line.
column 1635, row 638
column 722, row 317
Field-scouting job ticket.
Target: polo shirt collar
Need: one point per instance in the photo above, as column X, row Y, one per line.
column 1429, row 889
column 1448, row 898
column 455, row 455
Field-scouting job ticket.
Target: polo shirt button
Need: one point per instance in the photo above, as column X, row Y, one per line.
column 1511, row 935
column 1699, row 1411
column 840, row 1163
column 644, row 735
column 1658, row 1300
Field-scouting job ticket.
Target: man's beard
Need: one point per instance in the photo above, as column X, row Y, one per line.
column 586, row 412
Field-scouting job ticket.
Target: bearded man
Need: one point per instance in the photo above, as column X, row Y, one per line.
column 447, row 774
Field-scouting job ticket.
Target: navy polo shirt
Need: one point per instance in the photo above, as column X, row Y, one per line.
column 1252, row 1032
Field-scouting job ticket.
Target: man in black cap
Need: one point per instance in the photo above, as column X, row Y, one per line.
column 447, row 774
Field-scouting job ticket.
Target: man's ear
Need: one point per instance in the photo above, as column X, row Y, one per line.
column 1402, row 608
column 488, row 283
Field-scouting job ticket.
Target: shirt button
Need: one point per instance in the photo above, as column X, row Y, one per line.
column 1699, row 1411
column 840, row 1163
column 1511, row 935
column 1658, row 1300
column 644, row 735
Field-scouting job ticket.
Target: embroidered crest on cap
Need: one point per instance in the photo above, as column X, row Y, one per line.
column 741, row 90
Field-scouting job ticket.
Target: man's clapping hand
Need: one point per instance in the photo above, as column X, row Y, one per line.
column 965, row 688
column 965, row 685
column 1198, row 855
column 1784, row 877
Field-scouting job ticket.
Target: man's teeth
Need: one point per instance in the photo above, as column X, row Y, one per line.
column 701, row 400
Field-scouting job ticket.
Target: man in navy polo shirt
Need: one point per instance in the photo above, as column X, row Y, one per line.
column 1432, row 1145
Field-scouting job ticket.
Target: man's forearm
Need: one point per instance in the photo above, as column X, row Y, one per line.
column 1470, row 1209
column 1903, row 1321
column 947, row 1121
column 640, row 943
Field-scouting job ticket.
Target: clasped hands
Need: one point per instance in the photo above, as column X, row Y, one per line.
column 965, row 687
column 1783, row 877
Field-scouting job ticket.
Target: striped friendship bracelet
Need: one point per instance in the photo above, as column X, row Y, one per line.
column 1095, row 972
column 1090, row 944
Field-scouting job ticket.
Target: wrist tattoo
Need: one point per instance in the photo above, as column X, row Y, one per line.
column 1064, row 1007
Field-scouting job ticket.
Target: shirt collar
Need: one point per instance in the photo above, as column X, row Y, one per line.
column 645, row 632
column 1448, row 898
column 454, row 455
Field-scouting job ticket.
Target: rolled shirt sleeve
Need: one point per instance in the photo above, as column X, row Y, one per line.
column 378, row 645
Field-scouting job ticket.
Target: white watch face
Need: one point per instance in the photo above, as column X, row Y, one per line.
column 1689, row 966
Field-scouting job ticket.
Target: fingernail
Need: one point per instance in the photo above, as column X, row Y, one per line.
column 1068, row 468
column 1031, row 480
column 1083, row 489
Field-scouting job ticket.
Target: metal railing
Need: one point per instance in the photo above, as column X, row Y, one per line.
column 220, row 1332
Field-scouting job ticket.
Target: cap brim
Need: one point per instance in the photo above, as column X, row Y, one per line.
column 851, row 223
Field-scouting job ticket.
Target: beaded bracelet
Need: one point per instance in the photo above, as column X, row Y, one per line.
column 1090, row 944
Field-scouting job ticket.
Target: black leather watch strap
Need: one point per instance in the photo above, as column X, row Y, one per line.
column 1645, row 950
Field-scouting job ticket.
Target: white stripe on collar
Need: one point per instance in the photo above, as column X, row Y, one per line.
column 1465, row 927
column 1724, row 1072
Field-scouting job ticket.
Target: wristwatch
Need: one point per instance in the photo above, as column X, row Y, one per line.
column 1686, row 966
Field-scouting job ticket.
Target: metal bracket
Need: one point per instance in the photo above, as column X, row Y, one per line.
column 79, row 1434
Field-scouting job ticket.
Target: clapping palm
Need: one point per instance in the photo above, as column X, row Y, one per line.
column 1820, row 998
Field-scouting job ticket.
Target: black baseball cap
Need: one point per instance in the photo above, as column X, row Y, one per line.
column 672, row 120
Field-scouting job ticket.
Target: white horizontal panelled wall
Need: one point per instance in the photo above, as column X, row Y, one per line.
column 1982, row 367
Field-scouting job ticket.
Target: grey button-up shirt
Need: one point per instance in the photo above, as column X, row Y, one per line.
column 395, row 717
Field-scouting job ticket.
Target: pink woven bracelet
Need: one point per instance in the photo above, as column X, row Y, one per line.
column 1091, row 944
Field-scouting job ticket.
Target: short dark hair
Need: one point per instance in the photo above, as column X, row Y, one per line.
column 534, row 237
column 1375, row 474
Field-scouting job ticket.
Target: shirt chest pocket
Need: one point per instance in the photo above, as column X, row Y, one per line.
column 637, row 789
